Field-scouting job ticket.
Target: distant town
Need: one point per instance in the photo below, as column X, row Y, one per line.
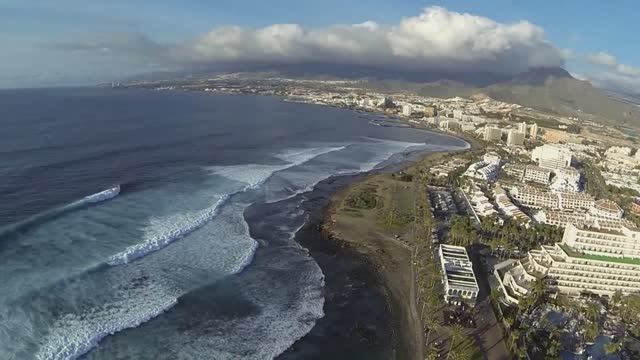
column 543, row 211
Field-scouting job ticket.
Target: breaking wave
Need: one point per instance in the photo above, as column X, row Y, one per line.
column 98, row 197
column 162, row 231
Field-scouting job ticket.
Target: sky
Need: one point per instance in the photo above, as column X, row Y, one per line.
column 75, row 42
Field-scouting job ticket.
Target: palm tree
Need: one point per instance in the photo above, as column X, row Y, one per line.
column 457, row 332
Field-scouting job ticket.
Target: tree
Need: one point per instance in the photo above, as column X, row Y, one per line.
column 616, row 298
column 612, row 348
column 630, row 313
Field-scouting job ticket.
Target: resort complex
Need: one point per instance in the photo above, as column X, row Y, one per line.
column 585, row 262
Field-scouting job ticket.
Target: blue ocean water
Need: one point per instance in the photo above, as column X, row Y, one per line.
column 122, row 227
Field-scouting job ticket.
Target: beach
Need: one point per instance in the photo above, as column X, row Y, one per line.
column 377, row 319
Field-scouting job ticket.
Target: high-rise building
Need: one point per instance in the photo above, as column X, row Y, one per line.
column 552, row 157
column 533, row 131
column 407, row 110
column 515, row 138
column 522, row 127
column 450, row 125
column 492, row 133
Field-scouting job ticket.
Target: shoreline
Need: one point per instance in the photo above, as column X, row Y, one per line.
column 403, row 328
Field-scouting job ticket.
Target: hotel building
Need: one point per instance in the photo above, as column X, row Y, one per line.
column 585, row 262
column 552, row 157
column 459, row 280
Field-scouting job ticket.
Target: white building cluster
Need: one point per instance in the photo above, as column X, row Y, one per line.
column 507, row 207
column 479, row 202
column 621, row 168
column 566, row 180
column 486, row 170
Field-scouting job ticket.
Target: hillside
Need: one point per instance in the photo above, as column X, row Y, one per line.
column 550, row 90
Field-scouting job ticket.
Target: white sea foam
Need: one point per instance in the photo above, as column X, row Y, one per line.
column 381, row 151
column 72, row 335
column 162, row 231
column 101, row 196
column 255, row 175
column 75, row 334
column 224, row 247
column 300, row 156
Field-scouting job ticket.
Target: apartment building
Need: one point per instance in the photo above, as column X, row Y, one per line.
column 533, row 131
column 580, row 219
column 515, row 170
column 486, row 170
column 538, row 198
column 492, row 133
column 534, row 198
column 515, row 138
column 459, row 280
column 537, row 174
column 571, row 200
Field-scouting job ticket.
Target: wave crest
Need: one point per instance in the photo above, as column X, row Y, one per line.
column 98, row 197
column 156, row 241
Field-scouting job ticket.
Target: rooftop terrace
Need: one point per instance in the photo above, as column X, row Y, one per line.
column 572, row 253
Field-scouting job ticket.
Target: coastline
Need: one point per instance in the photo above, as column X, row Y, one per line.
column 383, row 265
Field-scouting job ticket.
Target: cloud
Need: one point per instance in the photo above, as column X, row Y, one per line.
column 602, row 58
column 613, row 75
column 436, row 39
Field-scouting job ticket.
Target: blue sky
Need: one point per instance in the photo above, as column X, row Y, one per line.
column 28, row 28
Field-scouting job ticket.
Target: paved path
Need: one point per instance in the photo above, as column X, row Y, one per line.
column 489, row 335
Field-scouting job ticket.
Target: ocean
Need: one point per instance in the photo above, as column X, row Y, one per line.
column 162, row 225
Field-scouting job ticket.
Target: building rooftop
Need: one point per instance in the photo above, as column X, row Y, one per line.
column 607, row 205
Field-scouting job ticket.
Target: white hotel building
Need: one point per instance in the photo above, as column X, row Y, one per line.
column 552, row 156
column 586, row 261
column 459, row 280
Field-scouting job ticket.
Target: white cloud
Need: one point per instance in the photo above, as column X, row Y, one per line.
column 436, row 39
column 602, row 58
column 613, row 75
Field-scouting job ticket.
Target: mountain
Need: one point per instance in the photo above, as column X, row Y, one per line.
column 552, row 90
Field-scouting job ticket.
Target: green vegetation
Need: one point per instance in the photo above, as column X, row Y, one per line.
column 629, row 308
column 462, row 346
column 365, row 198
column 595, row 183
column 462, row 232
column 514, row 235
